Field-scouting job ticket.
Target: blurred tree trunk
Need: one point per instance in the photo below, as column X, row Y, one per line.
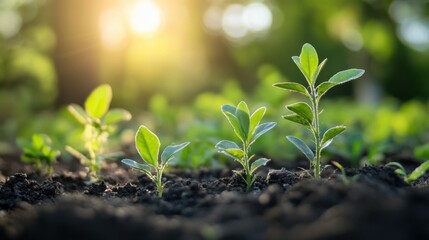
column 76, row 24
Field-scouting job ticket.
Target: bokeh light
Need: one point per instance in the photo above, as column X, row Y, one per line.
column 112, row 29
column 145, row 17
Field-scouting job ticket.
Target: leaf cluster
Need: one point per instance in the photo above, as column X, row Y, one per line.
column 248, row 129
column 39, row 151
column 148, row 147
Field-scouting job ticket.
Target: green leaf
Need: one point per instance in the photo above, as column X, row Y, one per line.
column 324, row 87
column 297, row 119
column 255, row 119
column 170, row 150
column 294, row 87
column 418, row 172
column 309, row 62
column 262, row 129
column 400, row 169
column 258, row 163
column 331, row 133
column 235, row 152
column 232, row 119
column 229, row 108
column 346, row 75
column 79, row 113
column 302, row 109
column 138, row 166
column 319, row 69
column 147, row 144
column 116, row 115
column 242, row 114
column 225, row 144
column 98, row 102
column 302, row 147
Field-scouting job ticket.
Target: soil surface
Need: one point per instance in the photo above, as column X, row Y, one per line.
column 214, row 204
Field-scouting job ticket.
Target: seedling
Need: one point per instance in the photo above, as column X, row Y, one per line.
column 416, row 174
column 98, row 123
column 39, row 151
column 343, row 176
column 148, row 145
column 308, row 115
column 248, row 130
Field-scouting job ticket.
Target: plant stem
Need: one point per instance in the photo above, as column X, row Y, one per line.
column 316, row 131
column 247, row 167
column 158, row 183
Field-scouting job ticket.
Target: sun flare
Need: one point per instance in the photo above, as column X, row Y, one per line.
column 145, row 18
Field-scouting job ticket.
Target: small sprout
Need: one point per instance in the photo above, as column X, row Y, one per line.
column 343, row 176
column 308, row 115
column 148, row 146
column 99, row 122
column 416, row 174
column 248, row 129
column 40, row 152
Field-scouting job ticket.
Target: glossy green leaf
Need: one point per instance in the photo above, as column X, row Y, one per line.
column 418, row 172
column 346, row 75
column 319, row 69
column 79, row 113
column 255, row 119
column 148, row 145
column 235, row 152
column 242, row 114
column 302, row 147
column 233, row 120
column 228, row 108
column 225, row 144
column 170, row 150
column 297, row 119
column 116, row 115
column 331, row 133
column 400, row 169
column 294, row 87
column 309, row 62
column 302, row 109
column 98, row 102
column 258, row 163
column 262, row 129
column 324, row 87
column 138, row 166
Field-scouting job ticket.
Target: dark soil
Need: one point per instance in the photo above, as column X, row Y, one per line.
column 214, row 204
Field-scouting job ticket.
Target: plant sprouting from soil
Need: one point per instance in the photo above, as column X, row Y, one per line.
column 309, row 115
column 39, row 151
column 414, row 175
column 343, row 176
column 98, row 123
column 148, row 146
column 248, row 129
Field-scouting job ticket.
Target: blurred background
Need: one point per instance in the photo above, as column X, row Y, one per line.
column 173, row 63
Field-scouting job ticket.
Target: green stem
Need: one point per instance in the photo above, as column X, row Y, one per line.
column 316, row 131
column 247, row 166
column 158, row 183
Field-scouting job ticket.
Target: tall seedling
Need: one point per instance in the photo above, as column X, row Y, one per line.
column 308, row 115
column 248, row 129
column 98, row 123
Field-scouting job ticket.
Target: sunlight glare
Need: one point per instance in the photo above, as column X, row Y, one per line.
column 145, row 18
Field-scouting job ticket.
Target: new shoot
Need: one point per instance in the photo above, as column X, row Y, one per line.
column 414, row 175
column 148, row 146
column 308, row 115
column 98, row 123
column 40, row 152
column 248, row 129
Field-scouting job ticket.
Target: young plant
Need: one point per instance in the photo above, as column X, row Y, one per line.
column 343, row 176
column 148, row 145
column 414, row 175
column 248, row 130
column 98, row 123
column 39, row 151
column 308, row 115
